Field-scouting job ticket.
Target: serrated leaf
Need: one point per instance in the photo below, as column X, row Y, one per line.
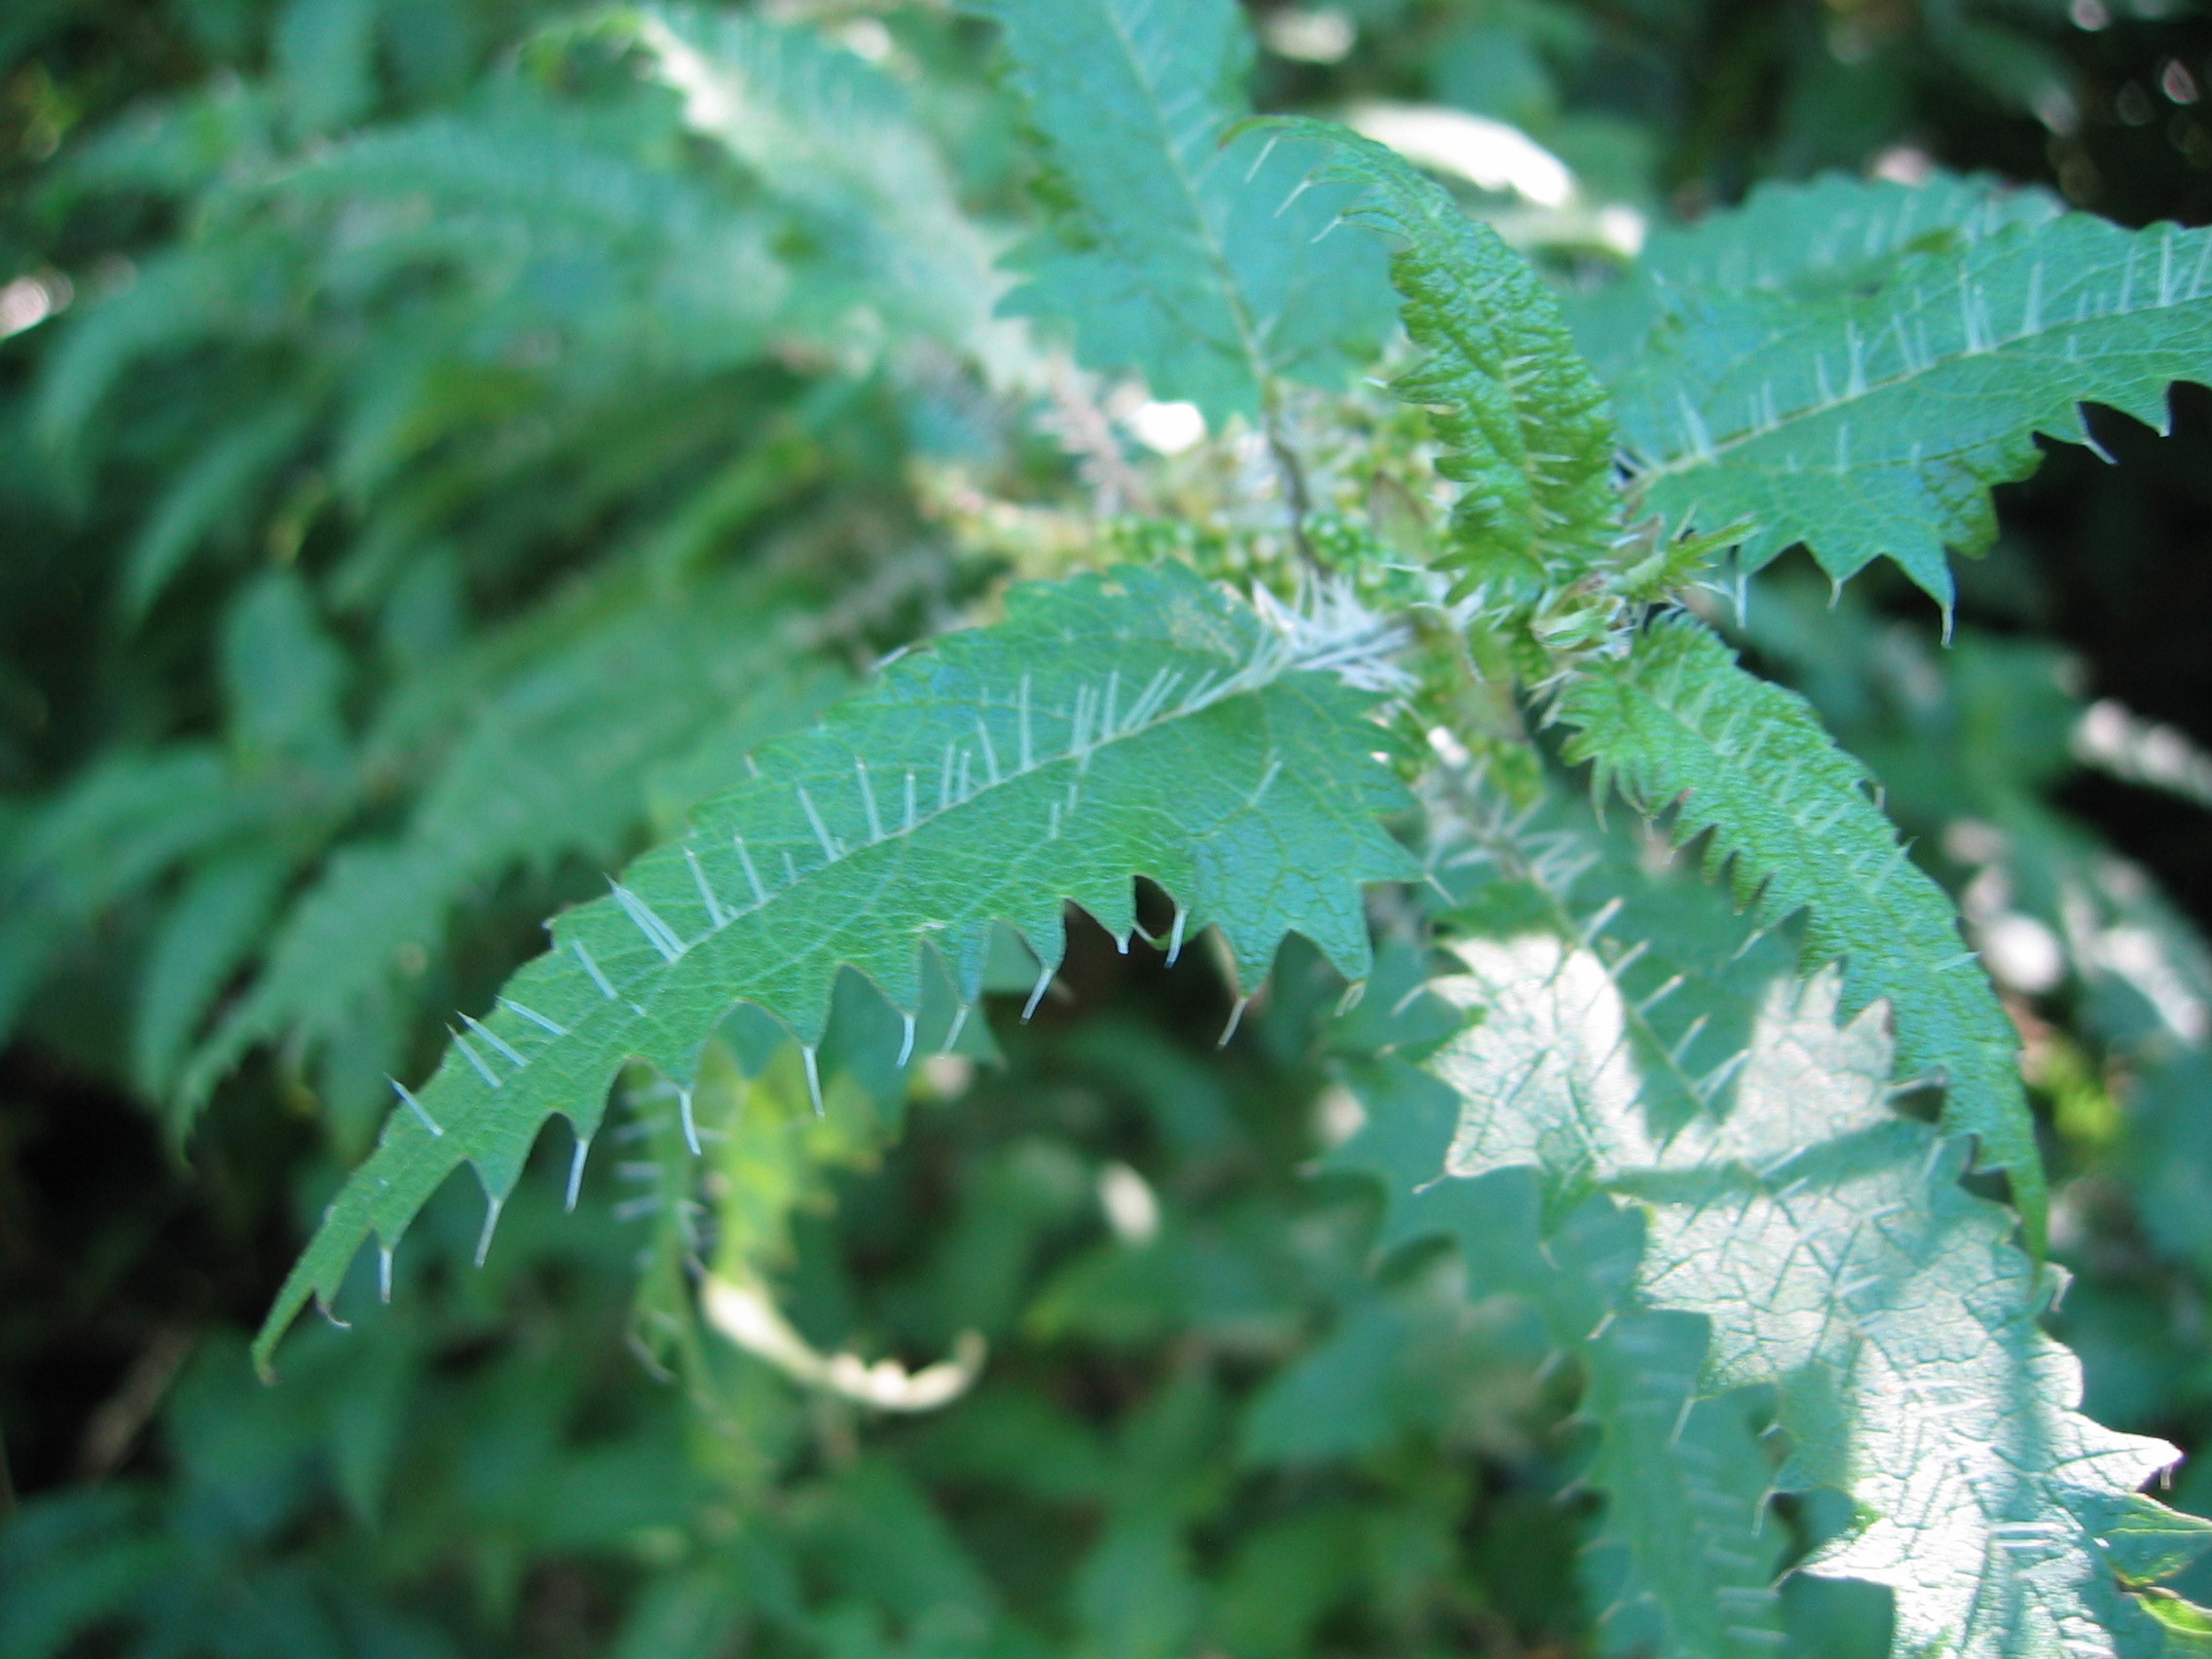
column 1678, row 724
column 1520, row 416
column 1139, row 724
column 1203, row 265
column 1684, row 1564
column 1834, row 231
column 1563, row 873
column 1810, row 238
column 1827, row 1240
column 1685, row 1558
column 1872, row 418
column 1902, row 1327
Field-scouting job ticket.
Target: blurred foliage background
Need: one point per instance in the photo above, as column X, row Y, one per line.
column 437, row 438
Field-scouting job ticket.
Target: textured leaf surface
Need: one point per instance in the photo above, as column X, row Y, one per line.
column 1203, row 265
column 1812, row 240
column 1826, row 1242
column 1834, row 230
column 1113, row 727
column 1685, row 1557
column 1685, row 1561
column 1521, row 418
column 1677, row 723
column 1870, row 417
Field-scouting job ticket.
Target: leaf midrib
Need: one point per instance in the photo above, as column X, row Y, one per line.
column 1217, row 256
column 631, row 996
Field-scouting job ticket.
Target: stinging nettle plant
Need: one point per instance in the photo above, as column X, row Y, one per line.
column 1739, row 1142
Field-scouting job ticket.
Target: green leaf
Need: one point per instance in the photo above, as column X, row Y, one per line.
column 2147, row 1542
column 283, row 674
column 1870, row 416
column 1139, row 724
column 1518, row 413
column 67, row 1561
column 1808, row 240
column 1812, row 240
column 1417, row 1358
column 2186, row 1627
column 1827, row 1243
column 183, row 297
column 208, row 932
column 326, row 52
column 1684, row 1562
column 1678, row 724
column 838, row 137
column 1201, row 264
column 1137, row 1595
column 1835, row 232
column 1900, row 1326
column 120, row 824
column 1687, row 1549
column 210, row 490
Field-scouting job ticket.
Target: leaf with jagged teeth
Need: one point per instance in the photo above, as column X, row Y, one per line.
column 1677, row 726
column 1136, row 723
column 1805, row 1237
column 1828, row 1244
column 1864, row 399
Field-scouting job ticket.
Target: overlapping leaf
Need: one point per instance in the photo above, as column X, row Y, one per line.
column 1685, row 1554
column 1677, row 724
column 552, row 762
column 1828, row 1243
column 1683, row 1560
column 1812, row 240
column 1520, row 416
column 1819, row 1237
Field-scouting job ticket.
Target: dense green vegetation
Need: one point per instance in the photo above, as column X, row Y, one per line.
column 1374, row 828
